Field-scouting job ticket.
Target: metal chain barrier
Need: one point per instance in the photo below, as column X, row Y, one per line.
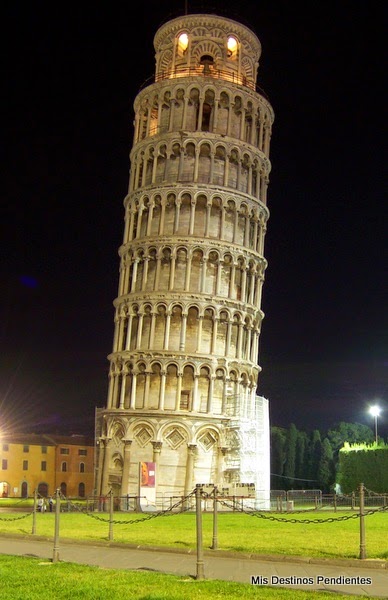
column 162, row 513
column 16, row 518
column 372, row 493
column 260, row 515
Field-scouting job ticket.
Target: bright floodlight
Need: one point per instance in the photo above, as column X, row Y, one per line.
column 375, row 412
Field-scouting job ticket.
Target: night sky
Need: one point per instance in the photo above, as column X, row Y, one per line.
column 71, row 74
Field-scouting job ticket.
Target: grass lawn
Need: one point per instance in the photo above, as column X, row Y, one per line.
column 24, row 578
column 237, row 532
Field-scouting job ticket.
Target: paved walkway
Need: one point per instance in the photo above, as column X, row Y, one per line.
column 367, row 577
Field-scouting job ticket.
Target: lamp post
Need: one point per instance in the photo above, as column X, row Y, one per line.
column 375, row 412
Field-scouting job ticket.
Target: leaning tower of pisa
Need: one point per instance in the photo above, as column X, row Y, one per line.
column 182, row 404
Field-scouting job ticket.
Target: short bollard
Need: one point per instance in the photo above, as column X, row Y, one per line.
column 56, row 530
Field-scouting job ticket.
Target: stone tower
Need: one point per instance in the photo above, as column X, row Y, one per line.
column 182, row 397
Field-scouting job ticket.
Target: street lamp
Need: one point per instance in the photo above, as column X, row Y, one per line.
column 375, row 412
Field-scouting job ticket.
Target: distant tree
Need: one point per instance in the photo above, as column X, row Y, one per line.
column 301, row 461
column 353, row 433
column 315, row 456
column 289, row 465
column 325, row 467
column 278, row 457
column 347, row 433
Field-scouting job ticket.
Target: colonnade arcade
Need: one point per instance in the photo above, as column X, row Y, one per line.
column 225, row 111
column 176, row 269
column 203, row 162
column 188, row 329
column 233, row 219
column 171, row 385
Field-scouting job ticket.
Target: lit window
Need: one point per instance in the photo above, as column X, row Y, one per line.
column 183, row 42
column 232, row 46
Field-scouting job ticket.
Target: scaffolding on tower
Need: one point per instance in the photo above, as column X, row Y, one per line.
column 247, row 437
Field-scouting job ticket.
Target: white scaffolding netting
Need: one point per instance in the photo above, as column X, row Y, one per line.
column 249, row 457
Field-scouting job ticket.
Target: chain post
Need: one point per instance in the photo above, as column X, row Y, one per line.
column 56, row 528
column 215, row 519
column 200, row 566
column 362, row 523
column 111, row 515
column 33, row 531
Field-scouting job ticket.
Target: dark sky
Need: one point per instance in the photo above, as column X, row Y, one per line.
column 71, row 73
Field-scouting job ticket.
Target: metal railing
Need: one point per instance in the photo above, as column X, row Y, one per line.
column 200, row 71
column 281, row 500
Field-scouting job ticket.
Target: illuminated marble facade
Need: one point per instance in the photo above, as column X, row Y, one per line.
column 183, row 369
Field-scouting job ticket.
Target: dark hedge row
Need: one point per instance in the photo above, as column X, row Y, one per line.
column 366, row 464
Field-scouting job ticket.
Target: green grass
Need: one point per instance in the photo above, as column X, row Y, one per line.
column 24, row 578
column 16, row 502
column 236, row 532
